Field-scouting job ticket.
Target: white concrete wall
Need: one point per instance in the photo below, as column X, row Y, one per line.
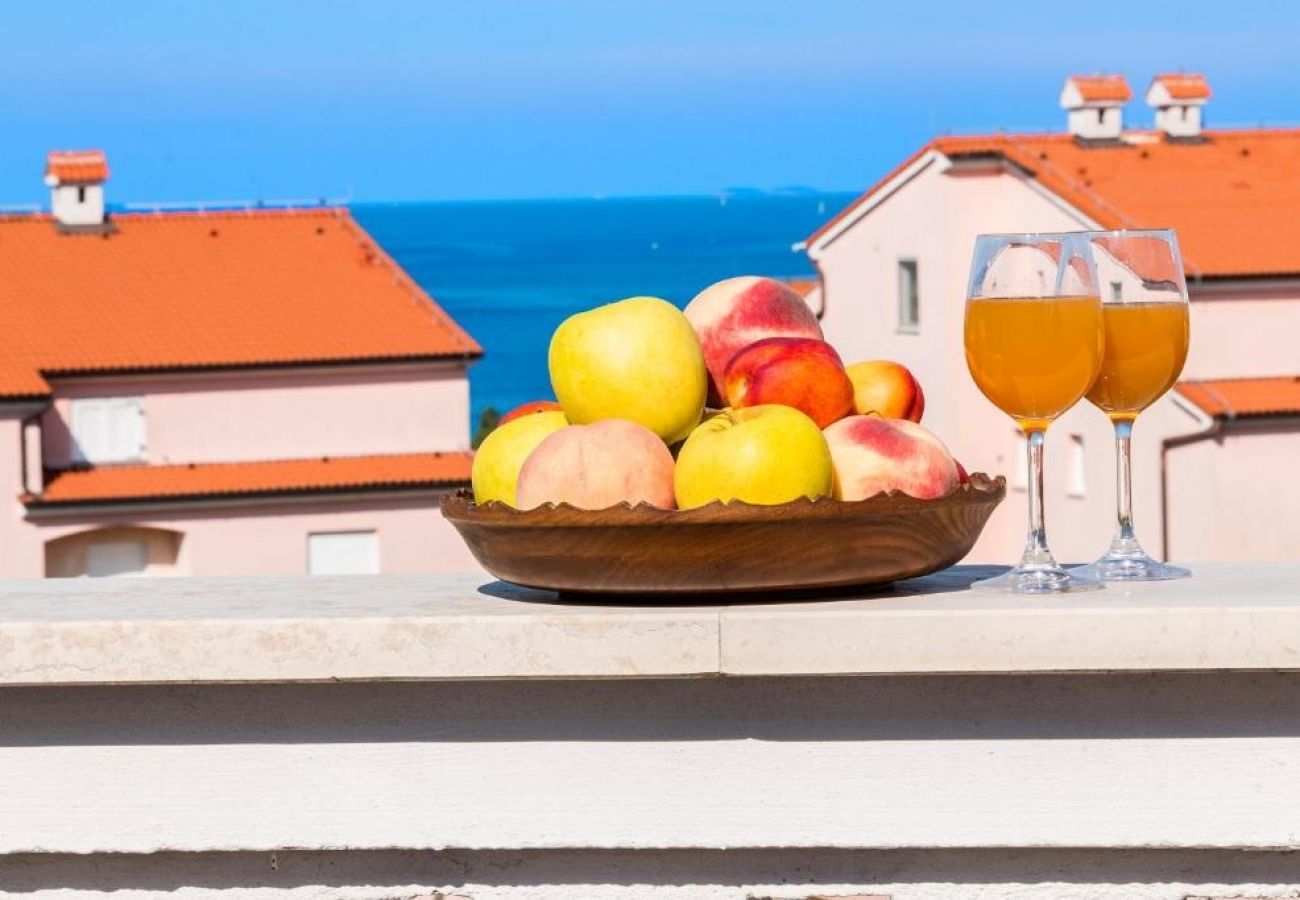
column 929, row 787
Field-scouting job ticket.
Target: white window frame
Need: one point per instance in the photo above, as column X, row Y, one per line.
column 368, row 556
column 1077, row 486
column 909, row 295
column 132, row 448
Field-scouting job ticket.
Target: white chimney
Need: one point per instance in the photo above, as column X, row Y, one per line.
column 1094, row 106
column 1177, row 100
column 76, row 179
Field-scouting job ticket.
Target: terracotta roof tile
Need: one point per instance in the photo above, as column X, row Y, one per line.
column 1235, row 398
column 802, row 286
column 1232, row 197
column 76, row 166
column 1102, row 87
column 1184, row 85
column 184, row 290
column 207, row 480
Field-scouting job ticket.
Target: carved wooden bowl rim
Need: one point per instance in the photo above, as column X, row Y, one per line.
column 460, row 507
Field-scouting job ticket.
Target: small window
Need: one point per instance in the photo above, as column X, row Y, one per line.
column 343, row 553
column 81, row 194
column 110, row 558
column 107, row 429
column 1078, row 467
column 1116, row 291
column 1021, row 462
column 909, row 297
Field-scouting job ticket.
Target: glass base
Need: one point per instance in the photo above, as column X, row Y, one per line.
column 1130, row 568
column 1051, row 579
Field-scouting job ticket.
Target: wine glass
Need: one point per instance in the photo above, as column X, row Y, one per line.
column 1034, row 344
column 1144, row 310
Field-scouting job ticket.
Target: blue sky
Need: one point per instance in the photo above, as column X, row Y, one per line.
column 494, row 99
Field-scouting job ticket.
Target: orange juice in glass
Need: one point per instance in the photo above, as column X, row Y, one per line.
column 1147, row 334
column 1146, row 346
column 1034, row 358
column 1034, row 345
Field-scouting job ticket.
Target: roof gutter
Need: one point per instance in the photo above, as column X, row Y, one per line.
column 41, row 509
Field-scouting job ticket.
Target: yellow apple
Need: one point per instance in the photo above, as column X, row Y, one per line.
column 637, row 359
column 761, row 454
column 497, row 462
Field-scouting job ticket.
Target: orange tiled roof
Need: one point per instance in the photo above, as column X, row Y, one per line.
column 1233, row 398
column 1102, row 87
column 76, row 166
column 185, row 290
column 1184, row 85
column 287, row 476
column 802, row 286
column 1232, row 197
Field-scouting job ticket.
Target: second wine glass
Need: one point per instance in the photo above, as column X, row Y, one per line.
column 1144, row 308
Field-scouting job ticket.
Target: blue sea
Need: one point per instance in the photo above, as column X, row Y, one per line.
column 510, row 272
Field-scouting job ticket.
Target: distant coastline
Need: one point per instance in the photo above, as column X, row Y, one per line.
column 511, row 270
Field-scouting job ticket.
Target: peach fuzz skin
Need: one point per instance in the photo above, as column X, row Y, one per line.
column 535, row 406
column 732, row 314
column 801, row 372
column 597, row 466
column 887, row 389
column 870, row 455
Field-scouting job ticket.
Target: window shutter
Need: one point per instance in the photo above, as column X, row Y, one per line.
column 108, row 429
column 343, row 553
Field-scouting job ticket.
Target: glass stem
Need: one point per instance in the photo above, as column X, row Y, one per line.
column 1125, row 542
column 1124, row 478
column 1036, row 552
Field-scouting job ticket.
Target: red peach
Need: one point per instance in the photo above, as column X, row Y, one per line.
column 597, row 466
column 801, row 372
column 887, row 389
column 734, row 313
column 870, row 454
column 534, row 406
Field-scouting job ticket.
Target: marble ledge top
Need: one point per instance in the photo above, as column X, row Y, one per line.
column 425, row 627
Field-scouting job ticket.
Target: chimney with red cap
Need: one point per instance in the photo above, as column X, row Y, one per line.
column 1178, row 99
column 76, row 179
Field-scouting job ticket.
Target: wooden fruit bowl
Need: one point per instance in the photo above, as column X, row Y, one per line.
column 725, row 548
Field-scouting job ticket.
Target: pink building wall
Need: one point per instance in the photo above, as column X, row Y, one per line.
column 934, row 218
column 271, row 538
column 1248, row 332
column 1237, row 497
column 269, row 414
column 281, row 414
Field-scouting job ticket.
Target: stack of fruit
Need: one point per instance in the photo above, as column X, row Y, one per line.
column 736, row 398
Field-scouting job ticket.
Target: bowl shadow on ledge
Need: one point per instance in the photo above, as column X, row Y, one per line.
column 954, row 578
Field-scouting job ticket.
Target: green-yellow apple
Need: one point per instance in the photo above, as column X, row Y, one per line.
column 760, row 454
column 637, row 359
column 495, row 474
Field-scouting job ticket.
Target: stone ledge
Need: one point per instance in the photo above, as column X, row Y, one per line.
column 458, row 627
